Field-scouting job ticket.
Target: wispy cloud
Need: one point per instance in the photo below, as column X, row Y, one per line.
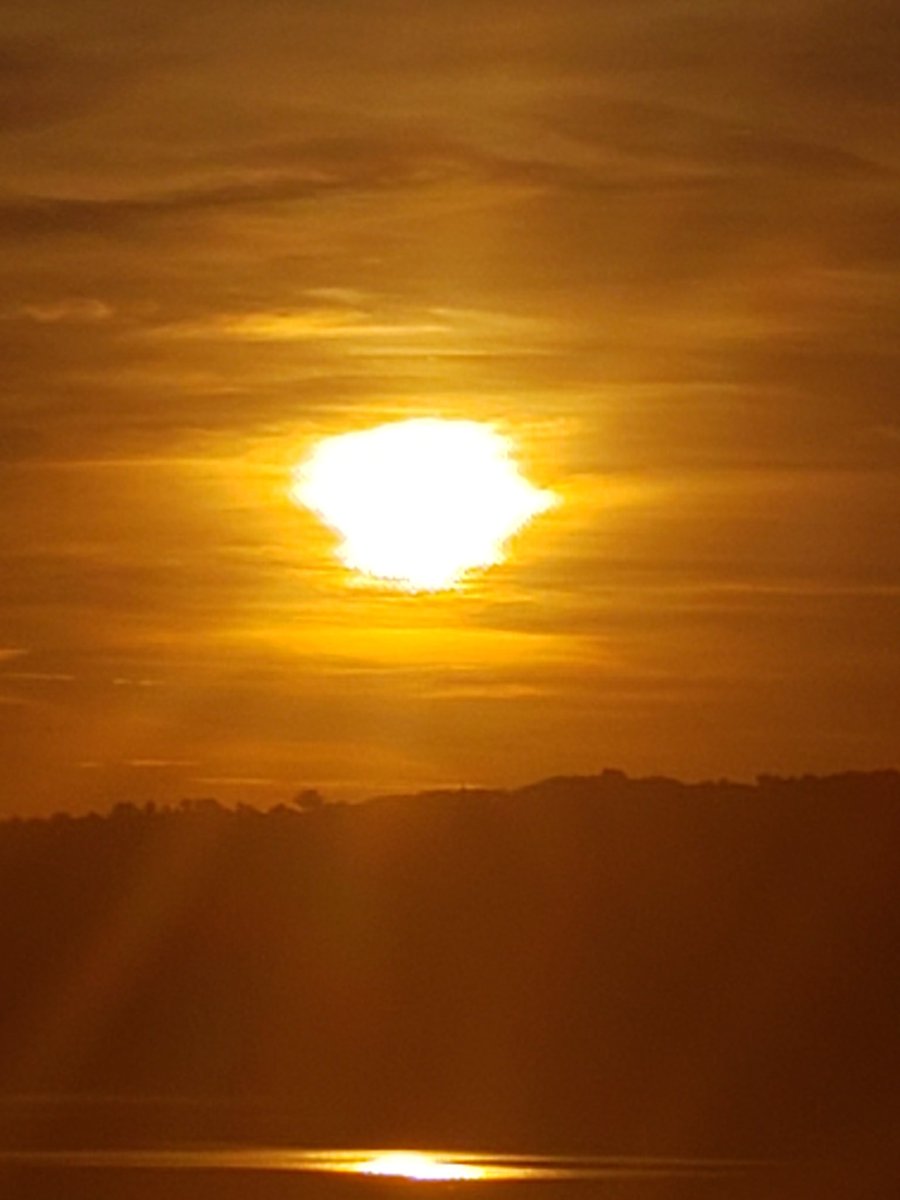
column 161, row 764
column 44, row 83
column 77, row 309
column 38, row 676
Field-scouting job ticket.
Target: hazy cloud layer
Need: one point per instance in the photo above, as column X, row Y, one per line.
column 656, row 241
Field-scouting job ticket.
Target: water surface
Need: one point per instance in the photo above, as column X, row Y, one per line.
column 279, row 1174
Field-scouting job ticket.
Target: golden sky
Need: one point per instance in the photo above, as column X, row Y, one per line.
column 655, row 242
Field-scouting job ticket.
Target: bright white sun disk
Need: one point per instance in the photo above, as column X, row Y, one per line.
column 419, row 503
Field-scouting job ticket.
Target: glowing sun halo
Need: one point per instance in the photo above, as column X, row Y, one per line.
column 419, row 503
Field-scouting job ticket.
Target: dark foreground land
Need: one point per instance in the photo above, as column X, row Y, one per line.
column 596, row 965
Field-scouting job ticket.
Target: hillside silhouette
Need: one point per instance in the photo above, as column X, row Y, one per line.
column 599, row 964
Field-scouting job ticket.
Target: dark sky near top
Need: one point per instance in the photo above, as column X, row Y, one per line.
column 656, row 240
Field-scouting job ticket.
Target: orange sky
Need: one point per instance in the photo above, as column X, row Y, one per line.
column 654, row 241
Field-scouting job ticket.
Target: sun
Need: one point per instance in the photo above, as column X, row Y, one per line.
column 419, row 503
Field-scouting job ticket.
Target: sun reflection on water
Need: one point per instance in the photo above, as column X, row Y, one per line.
column 405, row 1164
column 413, row 1165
